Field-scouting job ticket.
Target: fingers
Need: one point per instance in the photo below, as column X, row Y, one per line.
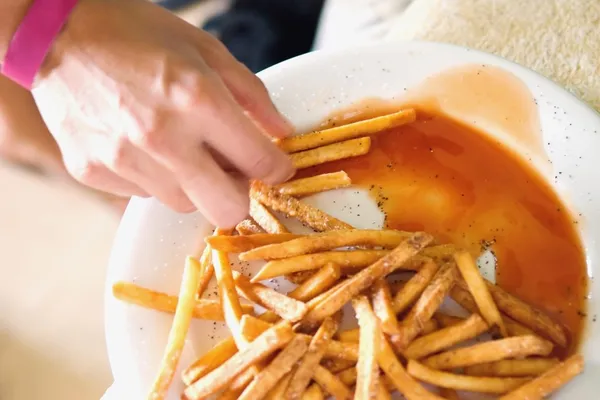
column 222, row 200
column 247, row 89
column 134, row 165
column 229, row 132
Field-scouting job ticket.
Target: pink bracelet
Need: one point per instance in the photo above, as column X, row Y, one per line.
column 33, row 39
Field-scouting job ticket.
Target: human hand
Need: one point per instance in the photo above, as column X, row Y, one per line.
column 142, row 103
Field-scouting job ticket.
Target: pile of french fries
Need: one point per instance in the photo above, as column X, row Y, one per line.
column 296, row 348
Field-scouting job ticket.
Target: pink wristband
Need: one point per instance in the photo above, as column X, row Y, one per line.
column 33, row 39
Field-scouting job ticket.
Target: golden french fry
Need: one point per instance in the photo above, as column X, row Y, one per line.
column 336, row 365
column 516, row 368
column 446, row 320
column 466, row 301
column 332, row 152
column 548, row 382
column 271, row 340
column 348, row 376
column 249, row 227
column 354, row 259
column 278, row 392
column 350, row 335
column 303, row 373
column 320, row 242
column 331, row 384
column 319, row 282
column 134, row 294
column 315, row 184
column 206, row 270
column 527, row 315
column 240, row 383
column 478, row 289
column 299, row 277
column 290, row 206
column 212, row 359
column 281, row 365
column 179, row 329
column 315, row 301
column 265, row 219
column 431, row 299
column 429, row 326
column 384, row 307
column 313, row 392
column 383, row 394
column 240, row 244
column 449, row 394
column 362, row 280
column 367, row 369
column 445, row 338
column 345, row 132
column 232, row 309
column 495, row 350
column 282, row 305
column 412, row 289
column 463, row 382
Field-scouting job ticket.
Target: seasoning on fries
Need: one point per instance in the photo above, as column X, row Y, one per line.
column 315, row 184
column 248, row 227
column 332, row 152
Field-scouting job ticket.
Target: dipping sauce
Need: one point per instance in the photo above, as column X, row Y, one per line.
column 443, row 177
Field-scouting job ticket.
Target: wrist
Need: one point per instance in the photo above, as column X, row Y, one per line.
column 11, row 15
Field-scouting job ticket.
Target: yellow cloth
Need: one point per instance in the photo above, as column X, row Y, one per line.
column 557, row 38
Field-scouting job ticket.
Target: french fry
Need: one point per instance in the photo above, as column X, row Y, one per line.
column 206, row 270
column 315, row 184
column 336, row 365
column 282, row 305
column 362, row 280
column 384, row 307
column 412, row 289
column 466, row 301
column 348, row 376
column 345, row 132
column 354, row 259
column 516, row 368
column 320, row 242
column 463, row 382
column 367, row 369
column 548, row 382
column 332, row 152
column 495, row 350
column 303, row 373
column 313, row 392
column 349, row 335
column 232, row 309
column 476, row 284
column 315, row 301
column 249, row 227
column 331, row 384
column 311, row 216
column 271, row 340
column 299, row 277
column 281, row 365
column 179, row 329
column 265, row 219
column 240, row 244
column 134, row 294
column 211, row 360
column 429, row 326
column 446, row 320
column 319, row 282
column 527, row 315
column 426, row 306
column 278, row 392
column 445, row 338
column 383, row 394
column 449, row 394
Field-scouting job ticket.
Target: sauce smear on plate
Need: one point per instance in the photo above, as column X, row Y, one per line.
column 443, row 177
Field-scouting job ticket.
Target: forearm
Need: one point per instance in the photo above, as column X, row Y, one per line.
column 11, row 14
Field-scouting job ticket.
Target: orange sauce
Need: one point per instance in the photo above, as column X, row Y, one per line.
column 446, row 178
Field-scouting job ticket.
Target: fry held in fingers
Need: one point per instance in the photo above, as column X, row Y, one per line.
column 248, row 227
column 315, row 184
column 332, row 152
column 345, row 132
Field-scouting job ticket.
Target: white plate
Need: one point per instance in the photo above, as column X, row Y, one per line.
column 152, row 241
